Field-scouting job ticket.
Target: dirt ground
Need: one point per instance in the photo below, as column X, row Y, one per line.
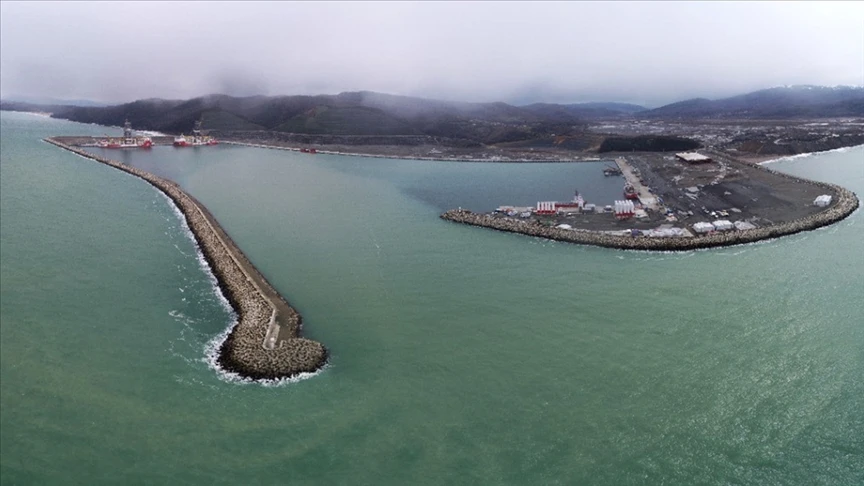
column 724, row 184
column 742, row 191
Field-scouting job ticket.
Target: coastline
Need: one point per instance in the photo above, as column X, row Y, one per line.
column 550, row 158
column 265, row 342
column 43, row 114
column 803, row 155
column 496, row 160
column 845, row 204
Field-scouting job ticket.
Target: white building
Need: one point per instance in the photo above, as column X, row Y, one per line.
column 703, row 227
column 822, row 201
column 693, row 157
column 723, row 225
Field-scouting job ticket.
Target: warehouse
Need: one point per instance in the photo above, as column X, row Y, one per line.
column 693, row 158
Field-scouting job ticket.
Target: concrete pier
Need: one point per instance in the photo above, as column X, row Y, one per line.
column 645, row 196
column 250, row 349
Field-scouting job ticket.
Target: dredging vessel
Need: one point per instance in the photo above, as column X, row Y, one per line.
column 196, row 140
column 129, row 140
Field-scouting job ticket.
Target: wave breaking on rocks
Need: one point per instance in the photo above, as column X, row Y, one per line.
column 265, row 344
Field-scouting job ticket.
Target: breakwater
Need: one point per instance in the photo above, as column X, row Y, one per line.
column 844, row 204
column 84, row 141
column 417, row 157
column 266, row 136
column 265, row 343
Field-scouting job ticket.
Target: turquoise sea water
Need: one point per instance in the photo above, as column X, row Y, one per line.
column 459, row 355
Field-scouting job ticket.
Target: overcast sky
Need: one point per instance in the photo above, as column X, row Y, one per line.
column 648, row 53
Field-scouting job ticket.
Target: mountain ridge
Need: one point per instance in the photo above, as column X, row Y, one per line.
column 379, row 114
column 779, row 102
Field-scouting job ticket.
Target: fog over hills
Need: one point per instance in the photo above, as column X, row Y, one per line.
column 350, row 113
column 520, row 53
column 371, row 113
column 779, row 102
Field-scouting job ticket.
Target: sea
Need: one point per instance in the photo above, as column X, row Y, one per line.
column 459, row 355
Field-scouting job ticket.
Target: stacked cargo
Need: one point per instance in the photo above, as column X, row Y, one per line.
column 545, row 207
column 624, row 209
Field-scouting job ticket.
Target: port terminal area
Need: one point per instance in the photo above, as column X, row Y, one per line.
column 682, row 195
column 89, row 141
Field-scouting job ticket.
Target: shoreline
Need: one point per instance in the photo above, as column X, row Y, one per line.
column 265, row 341
column 752, row 159
column 844, row 205
column 803, row 155
column 417, row 157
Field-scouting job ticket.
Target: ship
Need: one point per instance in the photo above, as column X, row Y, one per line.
column 577, row 201
column 129, row 140
column 611, row 171
column 196, row 140
column 630, row 191
column 554, row 207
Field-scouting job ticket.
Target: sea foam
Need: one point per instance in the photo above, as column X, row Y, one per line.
column 809, row 154
column 214, row 345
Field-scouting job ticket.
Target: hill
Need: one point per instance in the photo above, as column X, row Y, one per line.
column 773, row 103
column 352, row 113
column 583, row 111
column 366, row 113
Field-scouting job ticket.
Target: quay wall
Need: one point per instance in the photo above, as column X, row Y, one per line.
column 844, row 204
column 85, row 139
column 414, row 157
column 332, row 139
column 244, row 351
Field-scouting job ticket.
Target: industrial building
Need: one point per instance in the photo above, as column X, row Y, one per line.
column 822, row 201
column 693, row 158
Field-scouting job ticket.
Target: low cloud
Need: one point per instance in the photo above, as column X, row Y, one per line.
column 516, row 52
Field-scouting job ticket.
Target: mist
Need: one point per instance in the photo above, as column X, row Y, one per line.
column 644, row 53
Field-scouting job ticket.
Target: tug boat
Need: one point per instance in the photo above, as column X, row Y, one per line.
column 129, row 140
column 630, row 191
column 180, row 141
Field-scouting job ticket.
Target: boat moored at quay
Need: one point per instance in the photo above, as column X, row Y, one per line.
column 198, row 139
column 129, row 140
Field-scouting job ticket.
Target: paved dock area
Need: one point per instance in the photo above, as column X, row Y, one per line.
column 648, row 200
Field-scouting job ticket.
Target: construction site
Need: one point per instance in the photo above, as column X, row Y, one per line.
column 683, row 195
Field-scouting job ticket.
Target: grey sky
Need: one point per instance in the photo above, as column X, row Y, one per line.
column 650, row 53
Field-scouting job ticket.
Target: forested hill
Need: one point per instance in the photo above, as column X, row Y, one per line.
column 773, row 103
column 354, row 113
column 370, row 113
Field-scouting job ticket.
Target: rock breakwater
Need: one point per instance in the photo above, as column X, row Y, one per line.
column 249, row 350
column 845, row 203
column 496, row 159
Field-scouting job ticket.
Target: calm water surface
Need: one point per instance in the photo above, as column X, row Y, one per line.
column 460, row 355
